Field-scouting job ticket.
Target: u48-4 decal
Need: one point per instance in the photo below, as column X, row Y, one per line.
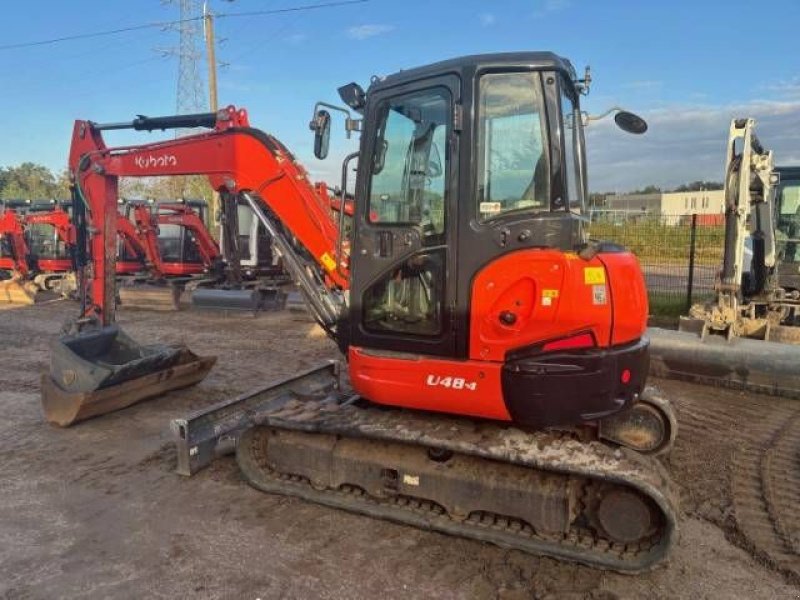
column 454, row 383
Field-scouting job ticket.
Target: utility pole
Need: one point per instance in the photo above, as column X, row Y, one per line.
column 208, row 30
column 211, row 59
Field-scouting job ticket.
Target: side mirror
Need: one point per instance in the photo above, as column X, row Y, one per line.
column 321, row 126
column 627, row 121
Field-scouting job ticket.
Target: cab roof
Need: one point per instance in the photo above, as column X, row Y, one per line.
column 531, row 60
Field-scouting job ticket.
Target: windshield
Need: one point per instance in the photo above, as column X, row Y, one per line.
column 43, row 241
column 788, row 234
column 513, row 166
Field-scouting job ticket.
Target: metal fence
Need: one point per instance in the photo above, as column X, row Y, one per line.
column 680, row 254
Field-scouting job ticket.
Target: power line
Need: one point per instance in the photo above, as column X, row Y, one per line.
column 162, row 24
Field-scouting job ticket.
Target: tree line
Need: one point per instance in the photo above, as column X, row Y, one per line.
column 694, row 186
column 31, row 181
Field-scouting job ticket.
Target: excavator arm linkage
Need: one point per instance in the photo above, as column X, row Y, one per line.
column 99, row 369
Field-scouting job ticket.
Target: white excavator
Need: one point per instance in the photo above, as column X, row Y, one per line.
column 745, row 336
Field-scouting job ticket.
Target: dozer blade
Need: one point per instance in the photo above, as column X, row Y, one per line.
column 253, row 300
column 741, row 363
column 103, row 370
column 541, row 492
column 150, row 297
column 14, row 291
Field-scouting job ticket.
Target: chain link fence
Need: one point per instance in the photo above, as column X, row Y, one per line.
column 680, row 254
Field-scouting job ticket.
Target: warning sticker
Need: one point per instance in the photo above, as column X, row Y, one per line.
column 490, row 207
column 598, row 294
column 548, row 296
column 327, row 261
column 593, row 275
column 410, row 479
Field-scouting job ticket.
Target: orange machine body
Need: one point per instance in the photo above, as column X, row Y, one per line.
column 541, row 320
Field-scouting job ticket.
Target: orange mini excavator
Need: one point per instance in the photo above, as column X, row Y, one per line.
column 51, row 240
column 495, row 359
column 15, row 284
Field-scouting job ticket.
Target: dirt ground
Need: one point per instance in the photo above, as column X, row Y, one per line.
column 96, row 511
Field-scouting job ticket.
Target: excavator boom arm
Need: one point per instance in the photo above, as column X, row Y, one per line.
column 237, row 159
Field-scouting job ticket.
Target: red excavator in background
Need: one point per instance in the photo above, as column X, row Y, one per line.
column 51, row 241
column 469, row 290
column 16, row 286
column 185, row 245
column 171, row 239
column 173, row 251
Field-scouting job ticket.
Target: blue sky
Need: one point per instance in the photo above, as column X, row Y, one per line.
column 688, row 67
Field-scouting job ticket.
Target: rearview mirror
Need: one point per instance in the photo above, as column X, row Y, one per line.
column 627, row 121
column 321, row 126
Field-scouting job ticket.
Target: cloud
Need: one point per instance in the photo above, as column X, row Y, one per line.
column 297, row 38
column 643, row 85
column 787, row 88
column 487, row 19
column 685, row 143
column 362, row 32
column 551, row 6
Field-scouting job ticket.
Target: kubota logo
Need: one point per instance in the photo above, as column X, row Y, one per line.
column 150, row 161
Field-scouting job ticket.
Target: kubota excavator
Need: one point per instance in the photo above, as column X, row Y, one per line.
column 51, row 240
column 145, row 280
column 496, row 361
column 15, row 284
column 191, row 251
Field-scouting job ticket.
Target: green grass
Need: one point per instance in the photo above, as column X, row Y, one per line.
column 666, row 305
column 653, row 242
column 672, row 305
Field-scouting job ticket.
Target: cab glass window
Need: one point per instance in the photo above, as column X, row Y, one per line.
column 513, row 165
column 409, row 163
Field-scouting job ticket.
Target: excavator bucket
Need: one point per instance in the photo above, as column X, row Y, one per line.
column 150, row 297
column 769, row 367
column 102, row 370
column 18, row 291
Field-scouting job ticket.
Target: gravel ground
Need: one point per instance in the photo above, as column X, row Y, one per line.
column 96, row 510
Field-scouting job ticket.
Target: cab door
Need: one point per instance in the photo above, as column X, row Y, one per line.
column 401, row 296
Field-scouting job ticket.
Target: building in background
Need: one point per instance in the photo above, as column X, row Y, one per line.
column 673, row 207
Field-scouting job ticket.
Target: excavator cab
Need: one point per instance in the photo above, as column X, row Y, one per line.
column 469, row 247
column 787, row 226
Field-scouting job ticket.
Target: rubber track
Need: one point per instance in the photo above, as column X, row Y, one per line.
column 546, row 451
column 765, row 479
